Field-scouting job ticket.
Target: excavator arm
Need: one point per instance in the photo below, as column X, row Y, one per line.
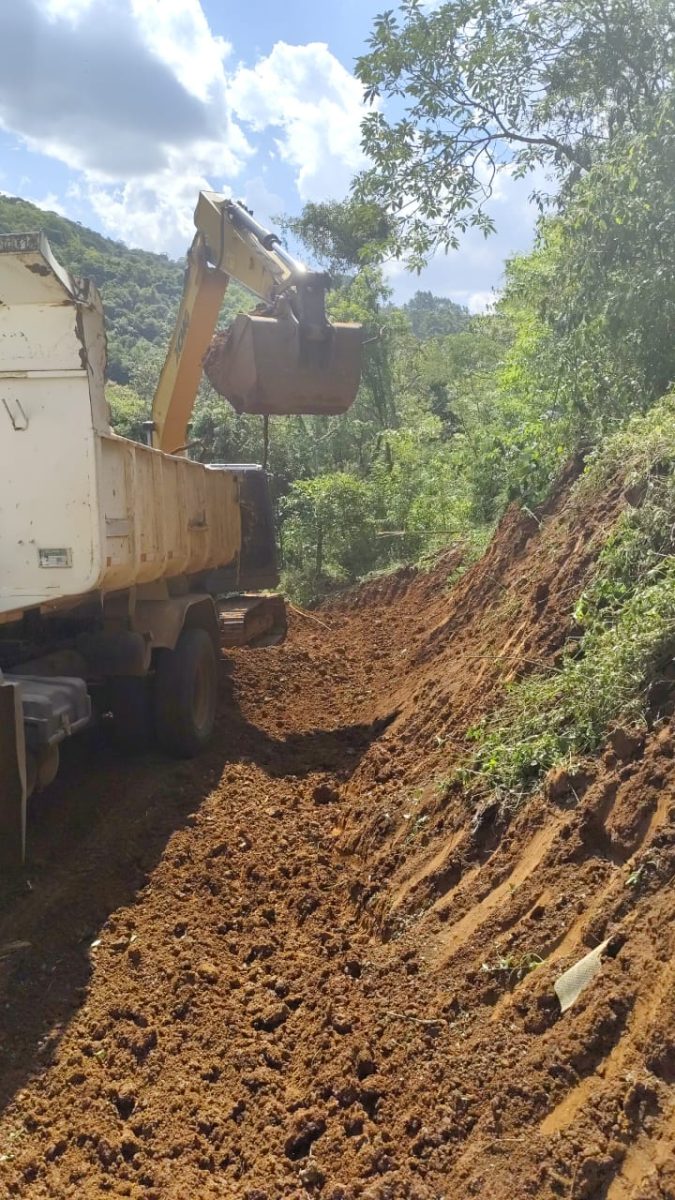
column 290, row 359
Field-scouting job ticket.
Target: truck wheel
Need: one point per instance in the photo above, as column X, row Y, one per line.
column 131, row 703
column 185, row 694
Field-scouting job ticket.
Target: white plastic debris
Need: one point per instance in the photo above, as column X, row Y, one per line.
column 570, row 985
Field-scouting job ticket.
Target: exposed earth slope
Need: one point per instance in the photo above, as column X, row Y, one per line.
column 301, row 966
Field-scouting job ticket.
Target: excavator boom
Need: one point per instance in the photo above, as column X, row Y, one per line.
column 286, row 358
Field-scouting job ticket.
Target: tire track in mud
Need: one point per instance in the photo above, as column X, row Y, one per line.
column 228, row 945
column 643, row 1164
column 450, row 940
column 644, row 1013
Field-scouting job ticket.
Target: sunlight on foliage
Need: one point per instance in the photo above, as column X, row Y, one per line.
column 626, row 619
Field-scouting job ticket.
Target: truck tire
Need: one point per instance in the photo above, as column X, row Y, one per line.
column 133, row 727
column 185, row 694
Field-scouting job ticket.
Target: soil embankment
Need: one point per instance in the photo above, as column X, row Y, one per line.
column 299, row 968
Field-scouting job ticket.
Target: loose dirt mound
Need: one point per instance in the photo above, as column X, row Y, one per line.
column 296, row 968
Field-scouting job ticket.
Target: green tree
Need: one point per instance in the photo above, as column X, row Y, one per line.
column 593, row 308
column 599, row 288
column 340, row 234
column 329, row 532
column 478, row 87
column 435, row 316
column 422, row 491
column 128, row 411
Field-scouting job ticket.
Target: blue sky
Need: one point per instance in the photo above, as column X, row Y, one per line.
column 116, row 112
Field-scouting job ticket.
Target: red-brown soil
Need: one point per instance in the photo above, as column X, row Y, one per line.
column 298, row 966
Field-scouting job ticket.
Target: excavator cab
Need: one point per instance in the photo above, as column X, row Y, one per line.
column 269, row 365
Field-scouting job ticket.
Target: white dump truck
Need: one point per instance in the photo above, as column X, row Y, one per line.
column 124, row 568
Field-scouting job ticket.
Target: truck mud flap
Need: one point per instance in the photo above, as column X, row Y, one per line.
column 13, row 791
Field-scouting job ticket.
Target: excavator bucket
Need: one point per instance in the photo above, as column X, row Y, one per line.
column 266, row 365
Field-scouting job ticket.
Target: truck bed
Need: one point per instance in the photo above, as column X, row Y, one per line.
column 82, row 510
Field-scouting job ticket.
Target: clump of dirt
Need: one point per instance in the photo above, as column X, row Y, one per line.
column 217, row 365
column 297, row 967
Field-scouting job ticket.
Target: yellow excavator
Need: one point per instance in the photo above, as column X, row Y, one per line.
column 283, row 359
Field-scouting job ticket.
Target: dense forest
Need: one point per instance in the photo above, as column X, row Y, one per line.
column 457, row 414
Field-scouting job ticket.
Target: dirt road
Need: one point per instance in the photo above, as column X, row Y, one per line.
column 302, row 967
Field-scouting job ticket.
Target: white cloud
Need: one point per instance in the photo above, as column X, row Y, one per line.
column 138, row 98
column 478, row 302
column 142, row 118
column 50, row 203
column 97, row 101
column 178, row 32
column 129, row 94
column 155, row 213
column 146, row 106
column 263, row 200
column 314, row 102
column 70, row 9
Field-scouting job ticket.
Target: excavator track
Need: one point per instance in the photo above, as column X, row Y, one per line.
column 252, row 621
